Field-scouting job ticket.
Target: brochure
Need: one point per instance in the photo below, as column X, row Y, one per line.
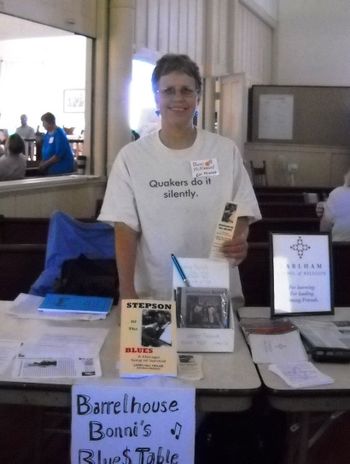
column 148, row 338
column 224, row 230
column 58, row 302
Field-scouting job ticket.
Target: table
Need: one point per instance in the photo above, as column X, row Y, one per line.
column 229, row 384
column 301, row 403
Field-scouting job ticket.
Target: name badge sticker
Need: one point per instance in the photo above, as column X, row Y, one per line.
column 205, row 168
column 51, row 139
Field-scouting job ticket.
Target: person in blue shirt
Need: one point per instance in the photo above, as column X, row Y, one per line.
column 56, row 153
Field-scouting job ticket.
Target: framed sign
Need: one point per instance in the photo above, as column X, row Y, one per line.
column 301, row 274
column 74, row 101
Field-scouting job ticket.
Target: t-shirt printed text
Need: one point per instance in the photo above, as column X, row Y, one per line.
column 170, row 187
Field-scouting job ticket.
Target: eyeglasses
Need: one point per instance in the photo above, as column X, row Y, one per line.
column 170, row 92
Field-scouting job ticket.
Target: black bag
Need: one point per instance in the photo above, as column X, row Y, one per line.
column 85, row 276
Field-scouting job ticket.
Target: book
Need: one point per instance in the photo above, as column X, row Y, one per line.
column 59, row 302
column 266, row 326
column 148, row 338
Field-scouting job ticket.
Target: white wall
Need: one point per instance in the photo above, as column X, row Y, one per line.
column 312, row 43
column 70, row 15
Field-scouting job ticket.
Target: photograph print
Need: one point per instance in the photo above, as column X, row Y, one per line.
column 156, row 328
column 204, row 307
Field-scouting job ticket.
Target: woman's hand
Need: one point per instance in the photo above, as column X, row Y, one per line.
column 236, row 249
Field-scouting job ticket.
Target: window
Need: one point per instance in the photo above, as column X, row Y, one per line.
column 36, row 70
column 143, row 118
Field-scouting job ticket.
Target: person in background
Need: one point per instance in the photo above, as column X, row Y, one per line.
column 13, row 162
column 157, row 202
column 3, row 138
column 25, row 131
column 28, row 135
column 336, row 212
column 56, row 153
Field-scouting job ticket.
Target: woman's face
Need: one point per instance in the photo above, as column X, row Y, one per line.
column 177, row 99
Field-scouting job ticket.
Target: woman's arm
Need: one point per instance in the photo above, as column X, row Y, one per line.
column 125, row 248
column 46, row 164
column 325, row 224
column 326, row 221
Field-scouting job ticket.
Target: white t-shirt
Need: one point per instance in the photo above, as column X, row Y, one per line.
column 151, row 189
column 26, row 132
column 337, row 211
column 12, row 167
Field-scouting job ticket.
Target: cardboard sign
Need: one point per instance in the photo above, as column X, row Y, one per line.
column 301, row 274
column 132, row 424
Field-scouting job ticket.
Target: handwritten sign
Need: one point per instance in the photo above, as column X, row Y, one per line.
column 132, row 424
column 202, row 272
column 301, row 274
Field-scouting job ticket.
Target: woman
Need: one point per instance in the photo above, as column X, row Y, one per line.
column 56, row 153
column 13, row 162
column 336, row 213
column 157, row 200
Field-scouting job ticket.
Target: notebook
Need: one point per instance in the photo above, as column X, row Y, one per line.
column 58, row 302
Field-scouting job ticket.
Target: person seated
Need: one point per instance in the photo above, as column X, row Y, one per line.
column 13, row 162
column 336, row 213
column 56, row 153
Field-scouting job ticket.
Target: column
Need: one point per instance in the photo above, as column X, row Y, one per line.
column 121, row 40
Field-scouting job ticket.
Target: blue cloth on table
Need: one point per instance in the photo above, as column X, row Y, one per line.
column 69, row 238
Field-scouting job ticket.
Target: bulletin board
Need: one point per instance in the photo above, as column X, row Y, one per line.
column 315, row 115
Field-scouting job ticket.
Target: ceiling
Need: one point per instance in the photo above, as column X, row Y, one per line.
column 16, row 28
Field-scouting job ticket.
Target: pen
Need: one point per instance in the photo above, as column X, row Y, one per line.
column 180, row 270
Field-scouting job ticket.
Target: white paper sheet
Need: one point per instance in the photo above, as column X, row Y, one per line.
column 276, row 116
column 299, row 375
column 56, row 367
column 26, row 306
column 61, row 352
column 8, row 350
column 281, row 348
column 65, row 341
column 203, row 273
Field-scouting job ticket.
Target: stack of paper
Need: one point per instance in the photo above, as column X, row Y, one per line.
column 301, row 374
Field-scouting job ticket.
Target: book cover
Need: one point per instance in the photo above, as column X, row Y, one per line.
column 148, row 338
column 58, row 302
